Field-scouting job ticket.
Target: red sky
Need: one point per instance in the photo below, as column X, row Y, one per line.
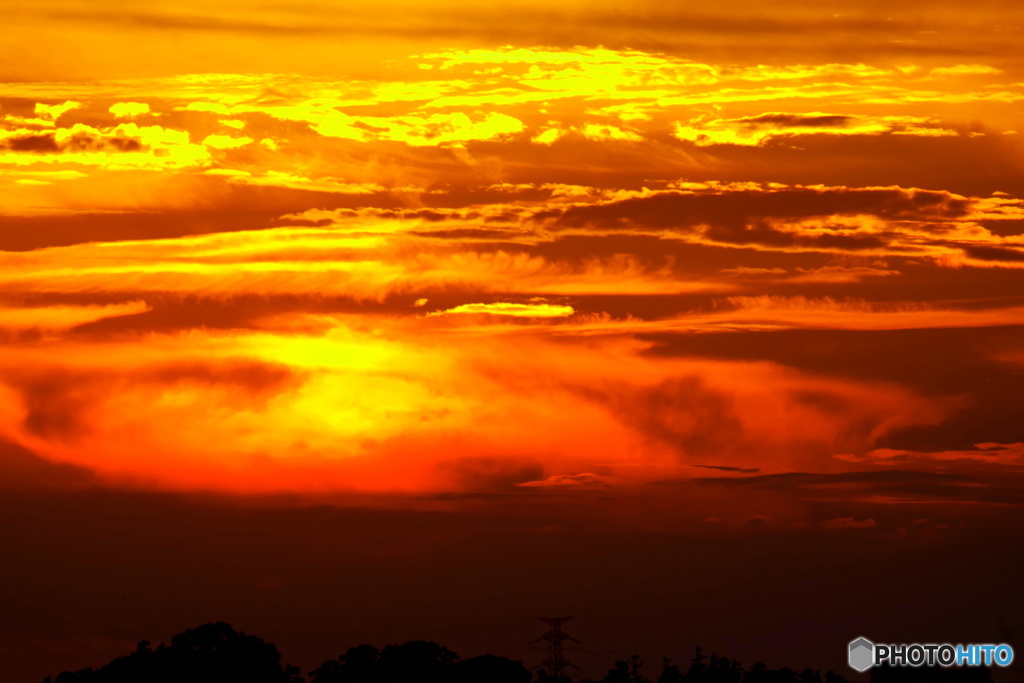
column 702, row 323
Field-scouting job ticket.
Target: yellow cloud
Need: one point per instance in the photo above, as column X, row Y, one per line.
column 510, row 309
column 128, row 110
column 54, row 111
column 766, row 312
column 593, row 131
column 369, row 259
column 297, row 182
column 214, row 107
column 225, row 141
column 125, row 146
column 965, row 70
column 547, row 136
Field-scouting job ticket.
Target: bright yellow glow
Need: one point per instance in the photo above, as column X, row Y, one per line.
column 129, row 109
column 225, row 141
column 510, row 309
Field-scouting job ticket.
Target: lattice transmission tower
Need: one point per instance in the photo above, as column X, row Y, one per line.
column 555, row 636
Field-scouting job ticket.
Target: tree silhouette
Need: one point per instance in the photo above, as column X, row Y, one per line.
column 357, row 665
column 619, row 673
column 212, row 653
column 544, row 677
column 930, row 674
column 415, row 661
column 669, row 672
column 695, row 674
column 216, row 653
column 625, row 672
column 723, row 670
column 418, row 661
column 489, row 669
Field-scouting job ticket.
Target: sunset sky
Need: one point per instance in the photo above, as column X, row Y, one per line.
column 701, row 322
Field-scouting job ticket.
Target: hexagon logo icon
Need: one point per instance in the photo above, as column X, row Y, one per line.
column 862, row 654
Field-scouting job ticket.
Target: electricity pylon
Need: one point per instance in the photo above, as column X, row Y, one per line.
column 555, row 637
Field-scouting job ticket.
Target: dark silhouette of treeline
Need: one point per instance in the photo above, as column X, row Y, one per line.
column 212, row 653
column 216, row 653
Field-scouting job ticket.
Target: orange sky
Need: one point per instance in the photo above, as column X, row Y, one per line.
column 748, row 264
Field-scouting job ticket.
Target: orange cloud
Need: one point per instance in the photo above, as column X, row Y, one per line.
column 125, row 146
column 354, row 408
column 765, row 128
column 367, row 264
column 54, row 318
column 993, row 453
column 225, row 141
column 441, row 261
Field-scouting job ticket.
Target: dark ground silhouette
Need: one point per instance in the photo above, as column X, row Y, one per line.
column 930, row 675
column 216, row 653
column 212, row 653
